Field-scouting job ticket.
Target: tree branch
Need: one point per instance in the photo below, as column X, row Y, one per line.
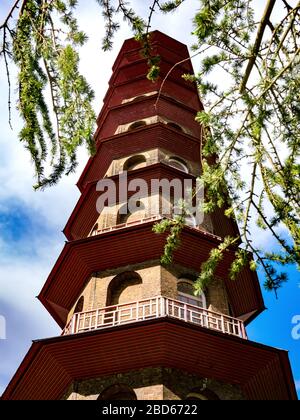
column 15, row 6
column 261, row 30
column 152, row 10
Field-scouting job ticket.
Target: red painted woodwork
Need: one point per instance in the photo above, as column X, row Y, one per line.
column 137, row 141
column 52, row 365
column 161, row 44
column 141, row 86
column 135, row 244
column 85, row 213
column 167, row 108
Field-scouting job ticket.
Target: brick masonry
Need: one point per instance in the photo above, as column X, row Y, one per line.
column 156, row 280
column 156, row 384
column 152, row 156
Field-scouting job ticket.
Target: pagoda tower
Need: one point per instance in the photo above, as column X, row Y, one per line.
column 132, row 328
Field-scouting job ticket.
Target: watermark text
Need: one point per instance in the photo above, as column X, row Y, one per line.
column 2, row 328
column 169, row 194
column 296, row 328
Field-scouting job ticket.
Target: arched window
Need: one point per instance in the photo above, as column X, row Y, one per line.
column 79, row 306
column 125, row 216
column 135, row 162
column 118, row 392
column 202, row 395
column 175, row 126
column 185, row 288
column 136, row 125
column 195, row 396
column 137, row 98
column 124, row 288
column 178, row 164
column 95, row 230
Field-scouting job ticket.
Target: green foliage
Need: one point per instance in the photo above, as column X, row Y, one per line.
column 274, row 281
column 241, row 261
column 249, row 82
column 208, row 269
column 252, row 123
column 47, row 60
column 110, row 13
column 170, row 6
column 174, row 227
column 153, row 73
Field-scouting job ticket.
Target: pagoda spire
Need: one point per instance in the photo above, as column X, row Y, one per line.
column 132, row 328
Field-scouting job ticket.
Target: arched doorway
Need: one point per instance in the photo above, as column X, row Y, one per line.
column 202, row 395
column 118, row 392
column 186, row 293
column 126, row 217
column 135, row 162
column 79, row 306
column 177, row 163
column 193, row 308
column 123, row 290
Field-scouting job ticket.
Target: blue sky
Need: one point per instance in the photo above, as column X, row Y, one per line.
column 31, row 222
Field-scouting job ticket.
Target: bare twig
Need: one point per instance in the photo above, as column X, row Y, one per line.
column 261, row 30
column 170, row 71
column 5, row 52
column 8, row 81
column 9, row 16
column 152, row 10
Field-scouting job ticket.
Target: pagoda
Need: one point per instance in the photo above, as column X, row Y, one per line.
column 132, row 327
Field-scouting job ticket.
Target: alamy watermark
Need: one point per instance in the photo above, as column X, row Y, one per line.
column 182, row 196
column 2, row 328
column 296, row 328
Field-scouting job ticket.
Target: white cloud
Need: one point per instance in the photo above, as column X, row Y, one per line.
column 22, row 275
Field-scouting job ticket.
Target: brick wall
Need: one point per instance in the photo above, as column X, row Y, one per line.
column 152, row 157
column 217, row 297
column 156, row 280
column 156, row 384
column 135, row 111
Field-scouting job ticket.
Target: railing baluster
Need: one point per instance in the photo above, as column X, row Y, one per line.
column 96, row 319
column 154, row 307
column 223, row 324
column 244, row 333
column 83, row 322
column 162, row 307
column 185, row 312
column 74, row 322
column 90, row 322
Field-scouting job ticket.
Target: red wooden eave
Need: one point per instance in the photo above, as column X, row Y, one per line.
column 85, row 213
column 132, row 245
column 262, row 372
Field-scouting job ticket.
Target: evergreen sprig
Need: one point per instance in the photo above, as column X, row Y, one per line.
column 249, row 82
column 48, row 61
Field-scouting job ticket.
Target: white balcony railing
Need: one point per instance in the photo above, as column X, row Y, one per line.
column 128, row 224
column 158, row 307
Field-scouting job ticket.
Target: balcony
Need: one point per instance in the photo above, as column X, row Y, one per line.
column 128, row 224
column 157, row 307
column 154, row 218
